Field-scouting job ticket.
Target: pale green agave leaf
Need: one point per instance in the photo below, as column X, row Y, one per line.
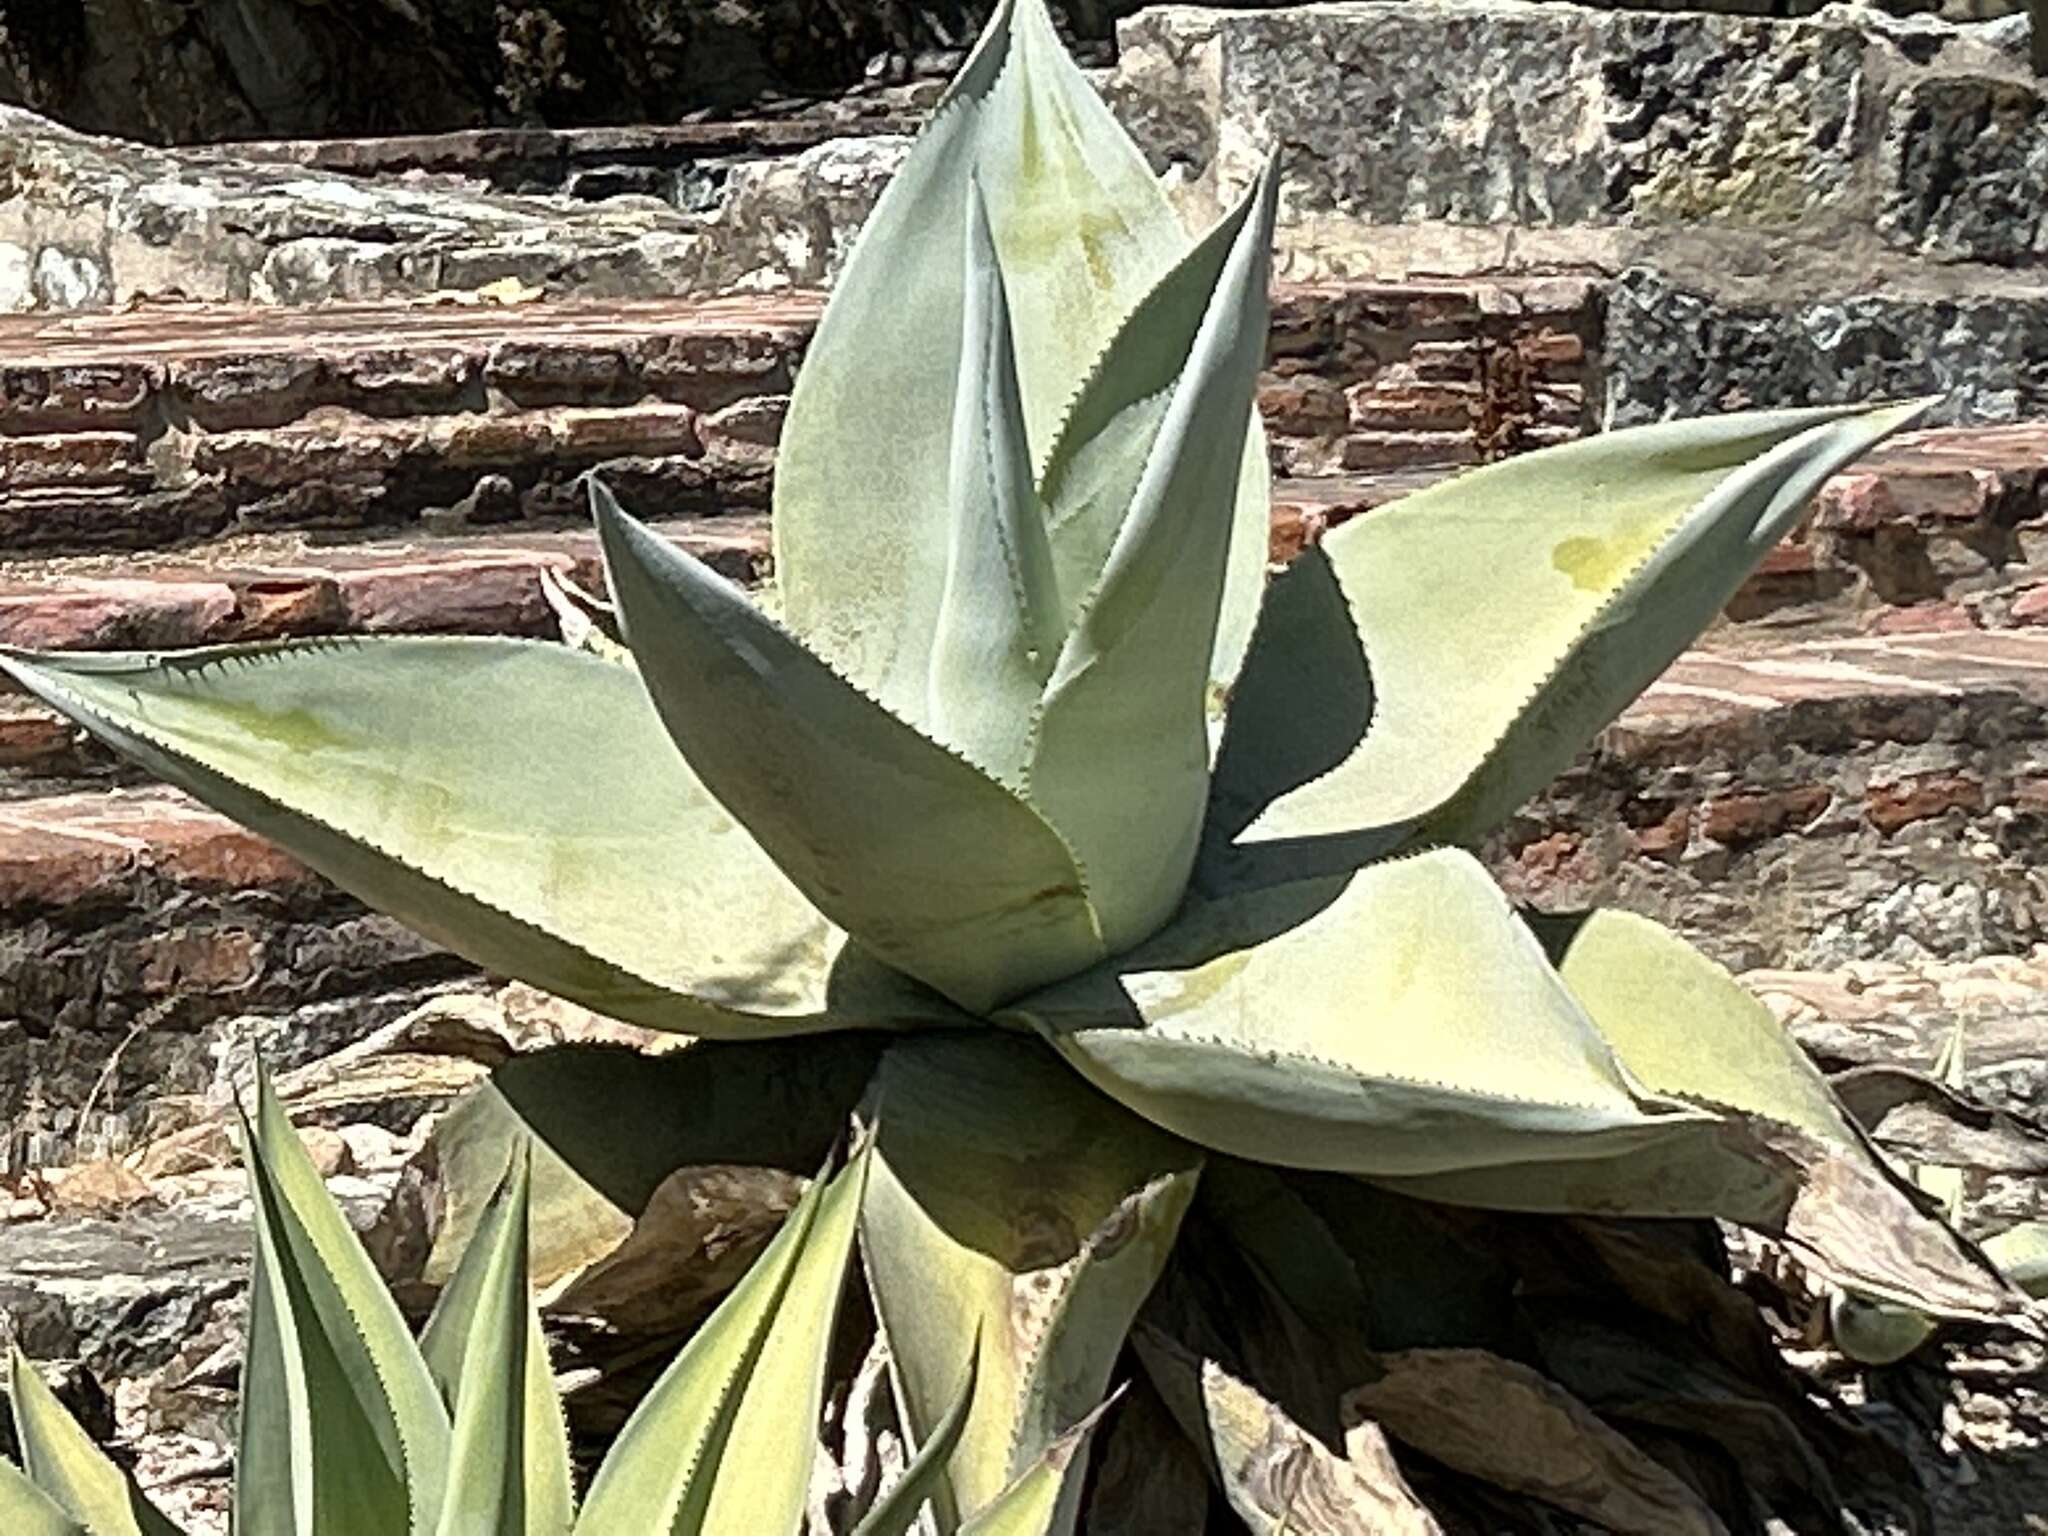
column 896, row 1511
column 863, row 470
column 342, row 1423
column 1082, row 231
column 2021, row 1254
column 1000, row 623
column 1120, row 752
column 1875, row 1332
column 1008, row 1204
column 450, row 782
column 81, row 1488
column 1780, row 1155
column 509, row 1452
column 25, row 1510
column 1107, row 436
column 932, row 865
column 723, row 1443
column 1500, row 619
column 1398, row 1019
column 1045, row 1498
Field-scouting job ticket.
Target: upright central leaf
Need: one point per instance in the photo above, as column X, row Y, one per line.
column 865, row 474
column 1000, row 622
column 1120, row 763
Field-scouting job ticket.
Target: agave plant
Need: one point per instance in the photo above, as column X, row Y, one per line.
column 1122, row 856
column 350, row 1426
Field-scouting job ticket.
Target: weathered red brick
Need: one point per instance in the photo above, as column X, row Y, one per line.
column 2030, row 607
column 1666, row 838
column 211, row 960
column 69, row 458
column 113, row 615
column 1413, row 407
column 43, row 867
column 1735, row 820
column 1923, row 619
column 1304, row 406
column 482, row 594
column 1409, row 450
column 754, row 422
column 1922, row 797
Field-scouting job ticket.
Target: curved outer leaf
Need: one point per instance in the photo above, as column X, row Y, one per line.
column 897, row 1510
column 1120, row 753
column 1009, row 1203
column 25, row 1510
column 62, row 1462
column 1000, row 621
column 723, row 1443
column 1399, row 1019
column 932, row 865
column 1508, row 614
column 768, row 1104
column 1781, row 1156
column 509, row 1453
column 370, row 1441
column 1083, row 231
column 451, row 782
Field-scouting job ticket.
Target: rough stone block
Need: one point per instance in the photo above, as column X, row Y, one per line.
column 1672, row 350
column 1965, row 170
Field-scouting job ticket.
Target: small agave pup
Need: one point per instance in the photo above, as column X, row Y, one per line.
column 1122, row 857
column 350, row 1427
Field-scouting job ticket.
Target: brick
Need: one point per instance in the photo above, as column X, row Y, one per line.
column 483, row 595
column 113, row 615
column 1665, row 838
column 756, row 422
column 68, row 458
column 1408, row 450
column 1411, row 407
column 2030, row 607
column 1735, row 820
column 205, row 960
column 1895, row 806
column 45, row 867
column 1923, row 619
column 1304, row 406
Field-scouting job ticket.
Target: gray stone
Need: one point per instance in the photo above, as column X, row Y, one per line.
column 1965, row 169
column 98, row 223
column 1673, row 350
column 1500, row 112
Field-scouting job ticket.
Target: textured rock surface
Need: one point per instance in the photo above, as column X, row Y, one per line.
column 1839, row 205
column 1460, row 116
column 1815, row 804
column 87, row 223
column 1673, row 347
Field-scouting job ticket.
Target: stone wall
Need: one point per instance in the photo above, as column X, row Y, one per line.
column 1829, row 207
column 1773, row 211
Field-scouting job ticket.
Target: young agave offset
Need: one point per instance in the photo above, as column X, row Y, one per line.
column 1131, row 855
column 351, row 1428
